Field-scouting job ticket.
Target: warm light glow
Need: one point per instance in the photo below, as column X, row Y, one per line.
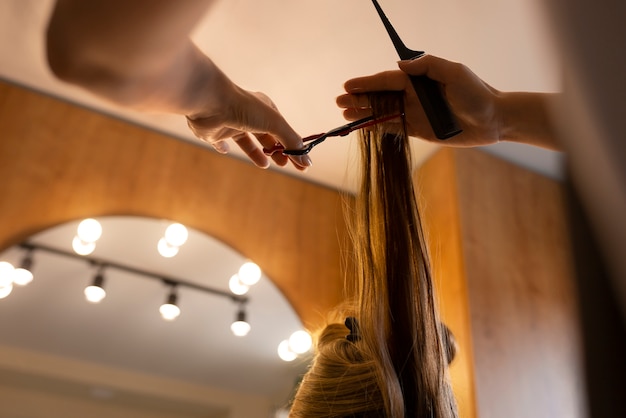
column 285, row 353
column 249, row 273
column 22, row 277
column 94, row 294
column 169, row 311
column 176, row 235
column 6, row 274
column 165, row 249
column 81, row 247
column 5, row 291
column 89, row 230
column 240, row 328
column 300, row 342
column 235, row 286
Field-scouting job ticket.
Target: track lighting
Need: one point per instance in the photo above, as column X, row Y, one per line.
column 240, row 327
column 95, row 293
column 170, row 310
column 298, row 343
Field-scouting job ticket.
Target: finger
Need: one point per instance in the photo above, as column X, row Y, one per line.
column 356, row 114
column 353, row 101
column 250, row 148
column 221, row 146
column 435, row 68
column 267, row 119
column 385, row 81
column 268, row 141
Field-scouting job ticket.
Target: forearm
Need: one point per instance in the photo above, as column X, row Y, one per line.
column 525, row 118
column 135, row 53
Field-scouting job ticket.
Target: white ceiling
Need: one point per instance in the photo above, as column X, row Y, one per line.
column 299, row 52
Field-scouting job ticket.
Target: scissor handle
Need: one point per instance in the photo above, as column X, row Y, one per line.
column 278, row 147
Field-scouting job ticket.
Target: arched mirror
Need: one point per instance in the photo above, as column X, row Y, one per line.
column 120, row 352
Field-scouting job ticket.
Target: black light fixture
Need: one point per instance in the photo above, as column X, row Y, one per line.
column 170, row 310
column 95, row 292
column 23, row 275
column 240, row 327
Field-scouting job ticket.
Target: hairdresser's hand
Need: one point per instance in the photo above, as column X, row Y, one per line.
column 249, row 119
column 473, row 102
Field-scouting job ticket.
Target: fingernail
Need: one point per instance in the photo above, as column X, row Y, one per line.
column 306, row 161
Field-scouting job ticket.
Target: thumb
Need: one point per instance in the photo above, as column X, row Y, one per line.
column 433, row 67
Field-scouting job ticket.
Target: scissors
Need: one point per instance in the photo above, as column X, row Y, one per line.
column 428, row 91
column 343, row 130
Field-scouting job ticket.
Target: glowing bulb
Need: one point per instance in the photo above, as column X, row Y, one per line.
column 235, row 286
column 169, row 311
column 5, row 291
column 6, row 274
column 240, row 328
column 285, row 353
column 176, row 235
column 300, row 342
column 89, row 230
column 165, row 249
column 94, row 294
column 81, row 247
column 22, row 277
column 249, row 273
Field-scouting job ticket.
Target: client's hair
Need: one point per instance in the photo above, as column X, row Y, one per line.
column 395, row 363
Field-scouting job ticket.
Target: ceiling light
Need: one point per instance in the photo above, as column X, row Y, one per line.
column 235, row 286
column 240, row 327
column 23, row 275
column 169, row 310
column 89, row 230
column 6, row 274
column 95, row 293
column 5, row 290
column 81, row 247
column 300, row 342
column 249, row 273
column 176, row 234
column 285, row 353
column 165, row 249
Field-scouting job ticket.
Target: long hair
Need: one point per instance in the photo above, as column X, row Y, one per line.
column 398, row 366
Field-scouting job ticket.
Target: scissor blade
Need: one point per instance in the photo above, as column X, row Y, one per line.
column 404, row 52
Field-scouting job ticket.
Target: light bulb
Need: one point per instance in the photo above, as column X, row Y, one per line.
column 176, row 235
column 300, row 342
column 249, row 273
column 5, row 291
column 235, row 286
column 169, row 311
column 240, row 328
column 94, row 294
column 6, row 274
column 89, row 230
column 22, row 277
column 165, row 249
column 81, row 247
column 285, row 353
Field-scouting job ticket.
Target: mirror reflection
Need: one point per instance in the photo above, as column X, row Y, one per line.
column 151, row 300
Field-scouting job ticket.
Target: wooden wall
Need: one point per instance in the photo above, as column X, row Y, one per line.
column 503, row 259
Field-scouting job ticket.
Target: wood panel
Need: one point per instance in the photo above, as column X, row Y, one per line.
column 59, row 162
column 521, row 286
